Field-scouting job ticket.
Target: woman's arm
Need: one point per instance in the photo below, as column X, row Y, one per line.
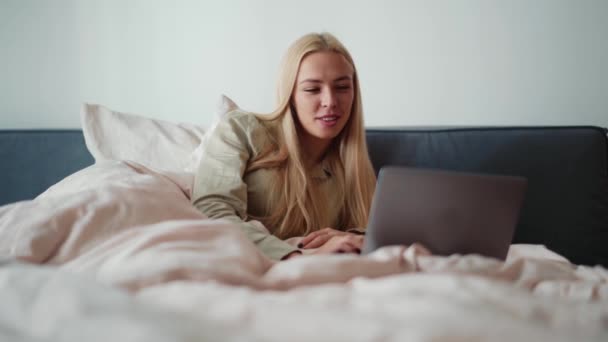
column 219, row 190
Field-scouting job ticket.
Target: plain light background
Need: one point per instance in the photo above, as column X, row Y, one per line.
column 421, row 62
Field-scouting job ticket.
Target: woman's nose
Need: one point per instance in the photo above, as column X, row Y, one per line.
column 328, row 99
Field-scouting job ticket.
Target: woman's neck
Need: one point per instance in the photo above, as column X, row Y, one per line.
column 314, row 150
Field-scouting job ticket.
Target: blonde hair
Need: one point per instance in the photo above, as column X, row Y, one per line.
column 298, row 208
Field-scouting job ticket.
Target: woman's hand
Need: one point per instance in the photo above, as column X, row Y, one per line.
column 344, row 243
column 319, row 238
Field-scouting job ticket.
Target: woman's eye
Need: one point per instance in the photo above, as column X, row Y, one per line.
column 311, row 90
column 343, row 87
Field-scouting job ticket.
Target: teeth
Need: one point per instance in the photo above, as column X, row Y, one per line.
column 329, row 119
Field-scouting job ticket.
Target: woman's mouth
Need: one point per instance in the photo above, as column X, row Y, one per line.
column 328, row 120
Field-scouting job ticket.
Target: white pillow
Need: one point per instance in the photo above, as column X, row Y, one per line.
column 157, row 144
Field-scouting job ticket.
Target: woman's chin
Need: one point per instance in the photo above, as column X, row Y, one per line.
column 328, row 131
column 326, row 135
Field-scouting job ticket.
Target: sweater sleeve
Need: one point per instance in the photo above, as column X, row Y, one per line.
column 219, row 189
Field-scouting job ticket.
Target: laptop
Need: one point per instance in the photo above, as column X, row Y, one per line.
column 448, row 212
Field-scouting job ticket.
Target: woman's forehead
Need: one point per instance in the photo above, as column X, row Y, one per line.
column 324, row 66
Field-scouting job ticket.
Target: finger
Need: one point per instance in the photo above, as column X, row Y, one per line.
column 317, row 242
column 309, row 238
column 355, row 247
column 355, row 240
column 335, row 231
column 346, row 247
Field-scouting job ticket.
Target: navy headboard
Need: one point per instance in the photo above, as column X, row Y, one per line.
column 33, row 160
column 566, row 206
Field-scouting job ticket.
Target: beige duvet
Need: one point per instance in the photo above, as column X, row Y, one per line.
column 120, row 241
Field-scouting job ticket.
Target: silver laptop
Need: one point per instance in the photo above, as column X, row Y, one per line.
column 446, row 211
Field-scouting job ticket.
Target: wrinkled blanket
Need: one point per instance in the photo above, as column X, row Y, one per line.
column 125, row 226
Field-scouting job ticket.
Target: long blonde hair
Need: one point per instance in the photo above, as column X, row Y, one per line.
column 298, row 208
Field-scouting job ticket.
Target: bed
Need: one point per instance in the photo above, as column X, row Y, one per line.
column 98, row 240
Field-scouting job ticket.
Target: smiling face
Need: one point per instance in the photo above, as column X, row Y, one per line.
column 323, row 98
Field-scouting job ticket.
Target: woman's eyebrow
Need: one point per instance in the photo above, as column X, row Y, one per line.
column 310, row 80
column 341, row 78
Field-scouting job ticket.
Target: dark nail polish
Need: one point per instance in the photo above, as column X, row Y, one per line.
column 357, row 250
column 300, row 245
column 340, row 251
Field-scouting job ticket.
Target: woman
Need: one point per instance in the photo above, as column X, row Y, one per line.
column 299, row 169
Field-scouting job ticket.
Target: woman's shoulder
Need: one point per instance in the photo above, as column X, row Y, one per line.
column 249, row 129
column 240, row 118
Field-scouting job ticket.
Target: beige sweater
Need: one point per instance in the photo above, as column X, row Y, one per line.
column 223, row 190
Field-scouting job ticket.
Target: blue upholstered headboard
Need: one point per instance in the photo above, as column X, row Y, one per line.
column 33, row 160
column 566, row 205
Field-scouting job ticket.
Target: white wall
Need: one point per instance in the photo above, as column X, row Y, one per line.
column 421, row 62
